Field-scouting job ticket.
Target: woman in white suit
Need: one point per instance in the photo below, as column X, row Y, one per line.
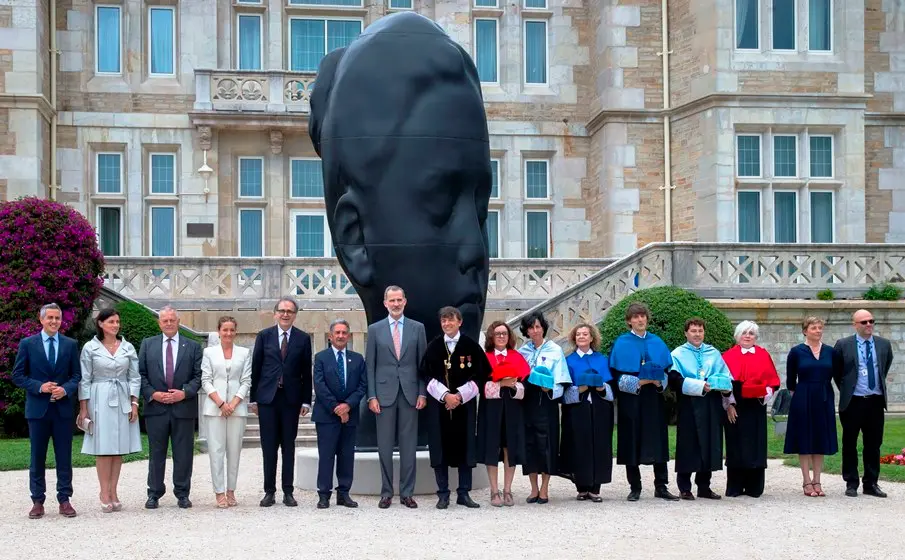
column 226, row 378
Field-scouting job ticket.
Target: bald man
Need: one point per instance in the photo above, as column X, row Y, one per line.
column 861, row 363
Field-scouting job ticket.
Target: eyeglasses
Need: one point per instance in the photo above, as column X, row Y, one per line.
column 500, row 334
column 867, row 322
column 286, row 312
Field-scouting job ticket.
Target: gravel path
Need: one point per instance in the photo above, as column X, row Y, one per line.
column 782, row 524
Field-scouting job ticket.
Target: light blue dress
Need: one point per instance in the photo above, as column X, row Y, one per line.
column 108, row 383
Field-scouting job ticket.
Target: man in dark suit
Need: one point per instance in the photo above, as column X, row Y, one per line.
column 170, row 369
column 47, row 367
column 280, row 393
column 396, row 393
column 861, row 364
column 340, row 383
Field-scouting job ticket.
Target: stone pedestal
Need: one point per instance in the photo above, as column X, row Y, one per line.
column 367, row 474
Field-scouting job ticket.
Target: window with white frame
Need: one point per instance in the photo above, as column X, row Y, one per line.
column 748, row 160
column 820, row 25
column 250, row 43
column 162, row 40
column 785, row 216
column 494, row 178
column 400, row 4
column 485, row 3
column 341, row 3
column 162, row 231
column 306, row 178
column 747, row 24
column 251, row 232
column 251, row 177
column 784, row 25
column 109, row 173
column 311, row 39
column 821, row 156
column 537, row 179
column 536, row 4
column 493, row 234
column 486, row 47
column 535, row 52
column 537, row 234
column 794, row 25
column 749, row 217
column 163, row 174
column 110, row 230
column 309, row 236
column 785, row 156
column 108, row 39
column 823, row 217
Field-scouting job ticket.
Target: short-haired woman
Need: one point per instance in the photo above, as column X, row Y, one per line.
column 811, row 432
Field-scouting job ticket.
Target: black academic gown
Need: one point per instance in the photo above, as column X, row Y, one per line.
column 501, row 423
column 699, row 430
column 452, row 435
column 586, row 451
column 746, row 439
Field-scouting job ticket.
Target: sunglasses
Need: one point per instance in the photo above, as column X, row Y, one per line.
column 868, row 322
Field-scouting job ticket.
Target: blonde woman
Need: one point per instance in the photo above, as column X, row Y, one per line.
column 226, row 380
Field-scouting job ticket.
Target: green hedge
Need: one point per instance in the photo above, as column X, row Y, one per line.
column 137, row 323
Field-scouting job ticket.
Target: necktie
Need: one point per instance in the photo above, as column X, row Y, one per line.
column 284, row 346
column 169, row 363
column 397, row 340
column 51, row 354
column 869, row 358
column 341, row 368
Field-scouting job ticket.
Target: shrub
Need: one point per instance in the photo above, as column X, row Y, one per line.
column 669, row 307
column 883, row 292
column 826, row 295
column 48, row 253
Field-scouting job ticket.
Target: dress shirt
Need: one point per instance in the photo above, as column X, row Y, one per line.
column 345, row 352
column 748, row 350
column 393, row 322
column 163, row 354
column 280, row 333
column 451, row 342
column 56, row 344
column 861, row 387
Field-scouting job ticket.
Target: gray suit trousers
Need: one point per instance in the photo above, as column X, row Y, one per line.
column 397, row 423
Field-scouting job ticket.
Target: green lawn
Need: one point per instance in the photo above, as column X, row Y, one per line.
column 15, row 454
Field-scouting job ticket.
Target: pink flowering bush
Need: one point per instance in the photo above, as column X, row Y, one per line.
column 894, row 458
column 48, row 253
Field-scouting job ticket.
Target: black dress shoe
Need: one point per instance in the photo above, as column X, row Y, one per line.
column 733, row 494
column 409, row 502
column 686, row 495
column 581, row 497
column 873, row 490
column 184, row 502
column 323, row 502
column 709, row 494
column 442, row 503
column 288, row 500
column 851, row 492
column 634, row 496
column 465, row 500
column 268, row 499
column 542, row 500
column 595, row 499
column 384, row 503
column 531, row 499
column 665, row 494
column 346, row 501
column 152, row 503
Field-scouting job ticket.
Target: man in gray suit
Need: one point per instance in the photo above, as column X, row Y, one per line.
column 861, row 363
column 170, row 369
column 396, row 393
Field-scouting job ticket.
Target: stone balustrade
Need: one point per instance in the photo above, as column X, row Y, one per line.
column 271, row 91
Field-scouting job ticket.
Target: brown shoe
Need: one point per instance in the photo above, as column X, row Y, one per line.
column 66, row 510
column 37, row 511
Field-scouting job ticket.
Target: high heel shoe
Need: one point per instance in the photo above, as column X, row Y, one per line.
column 231, row 500
column 221, row 501
column 117, row 506
column 105, row 507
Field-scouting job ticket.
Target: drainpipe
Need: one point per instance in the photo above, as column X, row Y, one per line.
column 54, row 53
column 667, row 160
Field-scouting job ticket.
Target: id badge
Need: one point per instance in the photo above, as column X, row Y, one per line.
column 863, row 372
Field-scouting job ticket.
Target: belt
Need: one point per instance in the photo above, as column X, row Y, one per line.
column 118, row 396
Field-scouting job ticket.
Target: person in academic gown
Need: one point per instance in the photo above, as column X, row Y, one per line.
column 541, row 406
column 501, row 425
column 586, row 451
column 642, row 437
column 702, row 381
column 754, row 380
column 454, row 368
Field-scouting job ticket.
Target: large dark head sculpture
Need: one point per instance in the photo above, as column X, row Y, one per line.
column 398, row 120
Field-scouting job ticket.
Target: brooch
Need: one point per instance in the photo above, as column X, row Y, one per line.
column 462, row 362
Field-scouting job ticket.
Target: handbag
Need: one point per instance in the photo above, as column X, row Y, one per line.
column 86, row 425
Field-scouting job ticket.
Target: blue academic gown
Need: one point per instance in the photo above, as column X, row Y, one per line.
column 642, row 436
column 541, row 409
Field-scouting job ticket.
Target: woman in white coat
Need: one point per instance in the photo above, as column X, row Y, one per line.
column 226, row 379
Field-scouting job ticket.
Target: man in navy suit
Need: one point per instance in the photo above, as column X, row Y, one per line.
column 280, row 392
column 47, row 367
column 340, row 383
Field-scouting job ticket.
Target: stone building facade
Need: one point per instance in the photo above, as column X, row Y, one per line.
column 769, row 120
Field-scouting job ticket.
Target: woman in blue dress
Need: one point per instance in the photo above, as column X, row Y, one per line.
column 811, row 432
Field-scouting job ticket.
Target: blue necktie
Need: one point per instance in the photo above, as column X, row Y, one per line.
column 51, row 354
column 341, row 368
column 869, row 358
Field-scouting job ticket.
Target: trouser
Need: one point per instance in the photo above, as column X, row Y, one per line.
column 661, row 476
column 863, row 415
column 40, row 431
column 701, row 480
column 279, row 427
column 592, row 488
column 397, row 424
column 335, row 441
column 224, row 444
column 745, row 481
column 162, row 429
column 442, row 476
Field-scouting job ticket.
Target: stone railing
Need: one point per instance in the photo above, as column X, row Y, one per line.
column 272, row 91
column 729, row 271
column 220, row 283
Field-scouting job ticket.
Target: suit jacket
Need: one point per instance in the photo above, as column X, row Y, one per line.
column 215, row 379
column 32, row 370
column 845, row 367
column 267, row 366
column 327, row 389
column 386, row 373
column 186, row 376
